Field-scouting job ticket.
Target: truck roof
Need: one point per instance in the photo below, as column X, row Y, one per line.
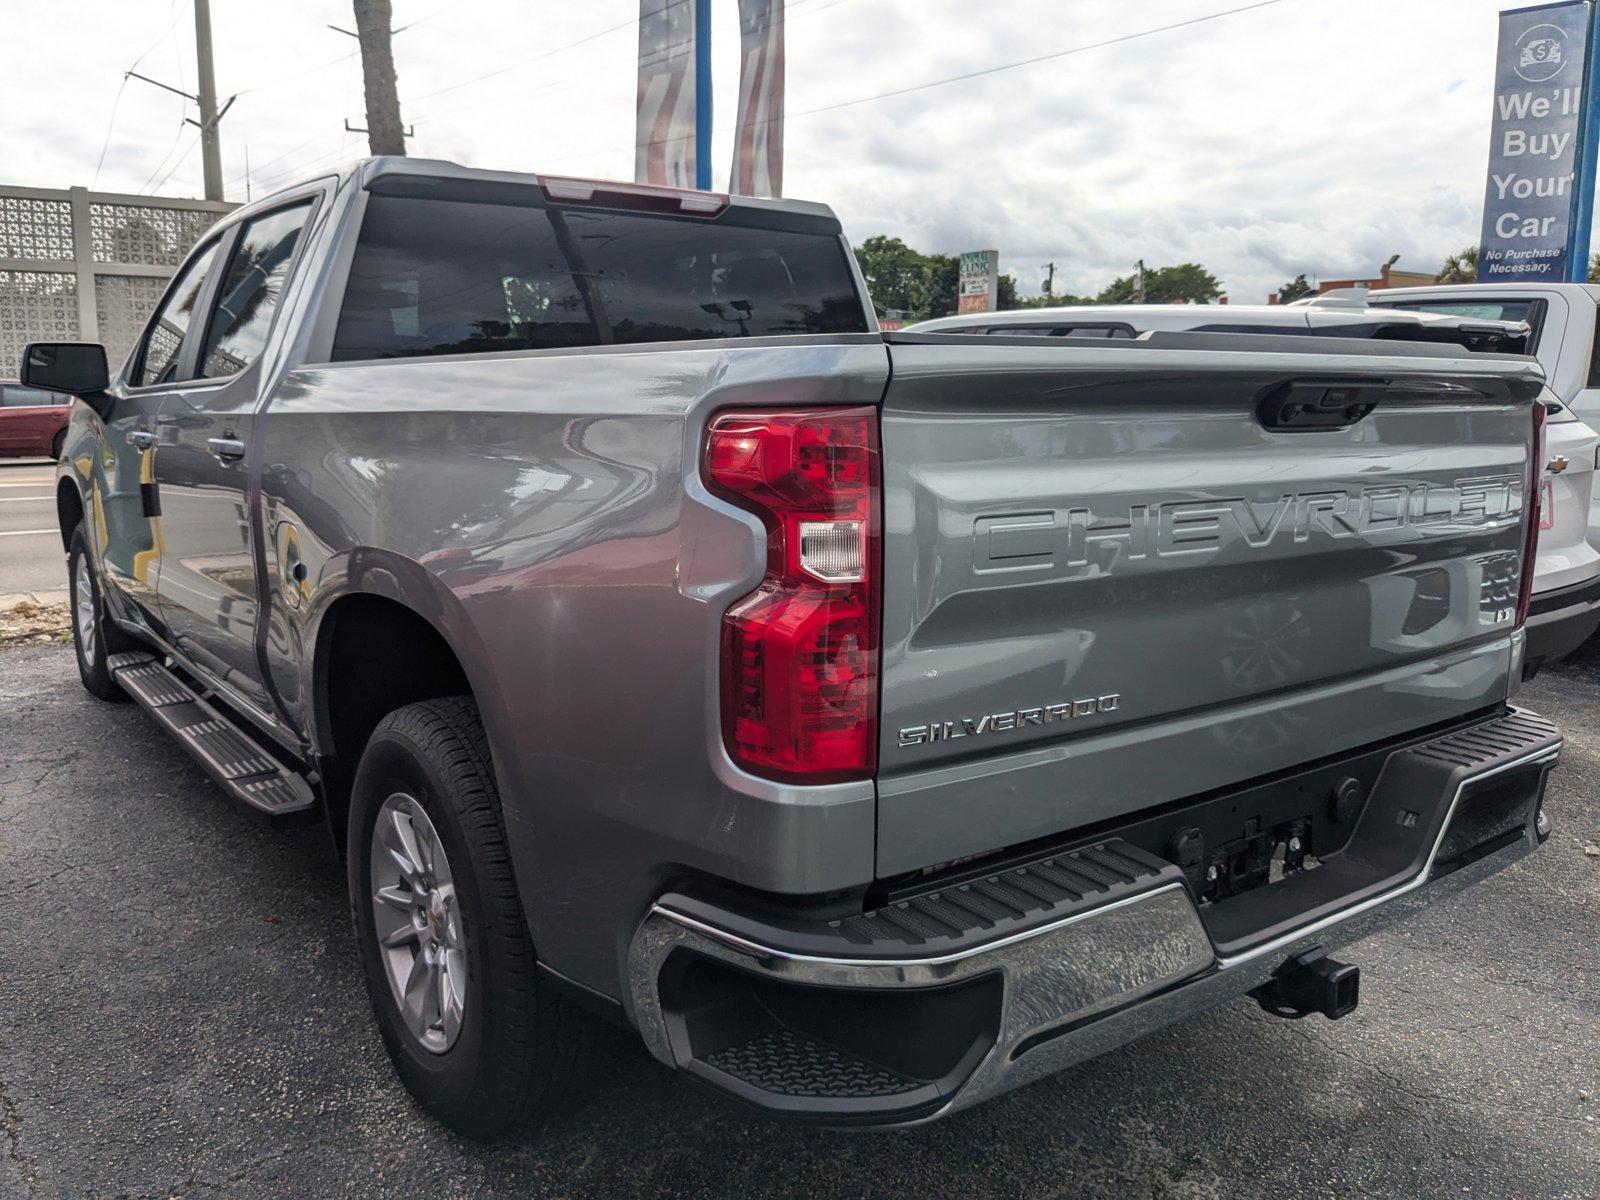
column 367, row 171
column 1467, row 290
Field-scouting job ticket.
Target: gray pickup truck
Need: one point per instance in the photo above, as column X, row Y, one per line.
column 873, row 722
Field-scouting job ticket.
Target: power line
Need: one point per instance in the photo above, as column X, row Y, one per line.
column 296, row 169
column 333, row 62
column 116, row 102
column 188, row 150
column 933, row 83
column 1028, row 62
column 793, row 12
column 255, row 174
column 630, row 22
column 176, row 138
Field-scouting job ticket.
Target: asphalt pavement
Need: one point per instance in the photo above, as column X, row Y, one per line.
column 181, row 1015
column 30, row 545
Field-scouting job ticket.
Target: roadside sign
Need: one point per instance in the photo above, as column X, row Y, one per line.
column 980, row 281
column 1541, row 154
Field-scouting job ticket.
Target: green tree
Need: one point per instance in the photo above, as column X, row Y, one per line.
column 1294, row 289
column 1460, row 267
column 1052, row 300
column 1594, row 269
column 896, row 274
column 1186, row 283
column 942, row 285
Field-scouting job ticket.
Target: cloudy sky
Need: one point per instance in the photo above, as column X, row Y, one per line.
column 1301, row 135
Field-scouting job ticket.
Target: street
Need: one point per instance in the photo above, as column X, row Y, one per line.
column 184, row 1016
column 30, row 543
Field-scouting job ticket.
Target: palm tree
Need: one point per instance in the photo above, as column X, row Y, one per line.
column 1460, row 267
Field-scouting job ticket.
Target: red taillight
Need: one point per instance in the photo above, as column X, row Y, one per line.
column 800, row 653
column 1530, row 543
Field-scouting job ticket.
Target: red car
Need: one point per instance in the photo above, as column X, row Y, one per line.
column 32, row 423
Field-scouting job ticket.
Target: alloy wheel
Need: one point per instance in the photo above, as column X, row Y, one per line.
column 83, row 611
column 417, row 919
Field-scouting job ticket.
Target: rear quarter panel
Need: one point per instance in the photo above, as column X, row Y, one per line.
column 544, row 512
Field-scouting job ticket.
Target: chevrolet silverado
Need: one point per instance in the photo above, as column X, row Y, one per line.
column 873, row 722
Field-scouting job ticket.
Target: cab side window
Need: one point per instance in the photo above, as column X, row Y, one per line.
column 158, row 356
column 258, row 269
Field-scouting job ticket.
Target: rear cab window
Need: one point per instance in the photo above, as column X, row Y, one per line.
column 439, row 275
column 1092, row 329
column 1532, row 312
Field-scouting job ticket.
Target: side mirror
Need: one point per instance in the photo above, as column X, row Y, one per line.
column 77, row 368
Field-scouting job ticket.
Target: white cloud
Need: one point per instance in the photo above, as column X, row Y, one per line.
column 1304, row 136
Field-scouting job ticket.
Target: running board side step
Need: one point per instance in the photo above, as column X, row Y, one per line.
column 238, row 765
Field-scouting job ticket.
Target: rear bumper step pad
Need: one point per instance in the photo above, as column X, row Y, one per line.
column 236, row 762
column 940, row 1000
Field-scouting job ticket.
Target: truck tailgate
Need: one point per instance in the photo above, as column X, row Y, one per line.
column 1110, row 582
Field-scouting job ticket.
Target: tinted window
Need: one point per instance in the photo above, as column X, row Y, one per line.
column 1487, row 309
column 15, row 396
column 1281, row 329
column 1093, row 331
column 1594, row 357
column 451, row 277
column 257, row 272
column 158, row 361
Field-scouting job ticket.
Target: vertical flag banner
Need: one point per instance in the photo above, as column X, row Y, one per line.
column 664, row 141
column 758, row 142
column 1535, row 209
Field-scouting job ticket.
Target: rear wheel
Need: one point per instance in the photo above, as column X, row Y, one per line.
column 444, row 946
column 94, row 636
column 57, row 443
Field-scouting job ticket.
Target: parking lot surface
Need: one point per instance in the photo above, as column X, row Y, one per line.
column 181, row 1014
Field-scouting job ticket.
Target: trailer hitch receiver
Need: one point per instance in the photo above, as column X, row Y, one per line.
column 1311, row 982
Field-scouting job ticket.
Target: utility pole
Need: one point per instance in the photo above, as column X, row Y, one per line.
column 1050, row 279
column 385, row 134
column 210, row 136
column 210, row 116
column 1138, row 284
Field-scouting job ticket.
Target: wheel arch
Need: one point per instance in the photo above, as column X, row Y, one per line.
column 394, row 638
column 69, row 509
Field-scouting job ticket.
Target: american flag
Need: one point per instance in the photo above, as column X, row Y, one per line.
column 758, row 143
column 665, row 144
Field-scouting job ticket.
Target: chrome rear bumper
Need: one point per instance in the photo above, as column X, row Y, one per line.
column 836, row 1036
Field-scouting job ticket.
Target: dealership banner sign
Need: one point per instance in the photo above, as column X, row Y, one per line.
column 979, row 282
column 1541, row 153
column 665, row 149
column 758, row 139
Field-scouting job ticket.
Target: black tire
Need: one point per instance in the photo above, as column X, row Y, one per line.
column 107, row 639
column 59, row 441
column 518, row 1045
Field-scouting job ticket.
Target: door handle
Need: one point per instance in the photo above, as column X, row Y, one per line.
column 227, row 449
column 141, row 439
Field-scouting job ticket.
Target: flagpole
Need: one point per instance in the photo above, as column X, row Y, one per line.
column 1587, row 158
column 702, row 94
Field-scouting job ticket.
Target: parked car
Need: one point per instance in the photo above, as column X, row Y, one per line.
column 1565, row 609
column 875, row 723
column 33, row 423
column 1561, row 317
